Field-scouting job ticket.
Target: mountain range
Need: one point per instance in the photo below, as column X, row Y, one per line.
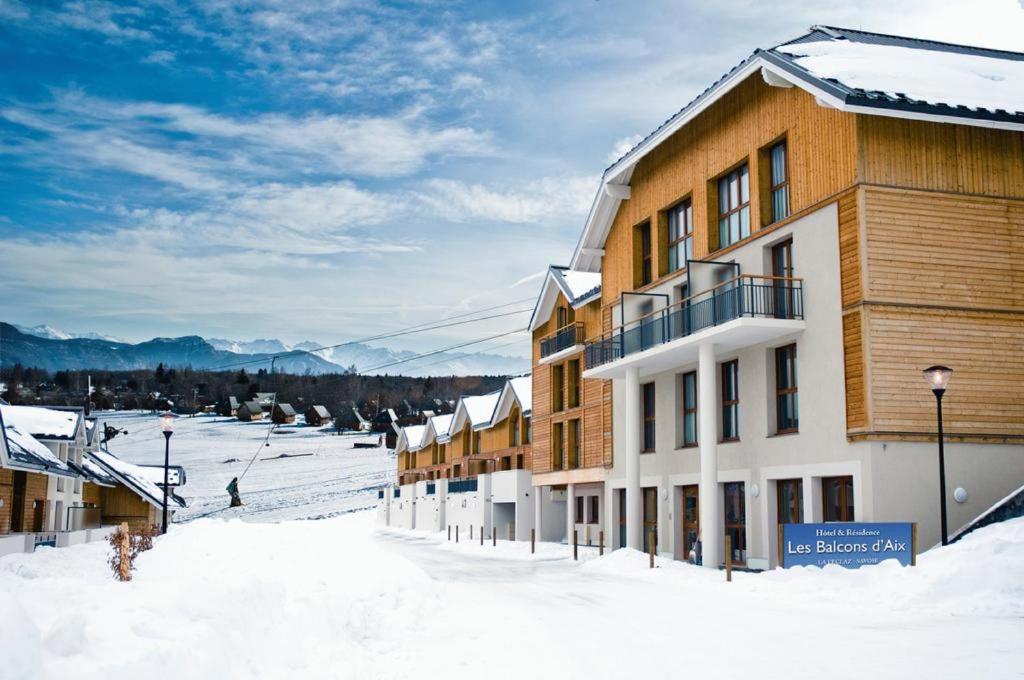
column 47, row 347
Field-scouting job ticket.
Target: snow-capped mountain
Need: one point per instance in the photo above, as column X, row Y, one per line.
column 51, row 333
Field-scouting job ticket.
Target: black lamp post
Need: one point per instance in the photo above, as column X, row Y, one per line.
column 938, row 378
column 168, row 422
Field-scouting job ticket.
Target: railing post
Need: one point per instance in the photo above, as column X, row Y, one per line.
column 650, row 545
column 481, row 535
column 494, row 536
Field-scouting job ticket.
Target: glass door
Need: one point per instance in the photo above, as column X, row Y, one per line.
column 736, row 521
column 790, row 501
column 782, row 269
column 691, row 518
column 622, row 517
column 650, row 500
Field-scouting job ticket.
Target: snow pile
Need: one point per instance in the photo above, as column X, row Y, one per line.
column 41, row 422
column 920, row 74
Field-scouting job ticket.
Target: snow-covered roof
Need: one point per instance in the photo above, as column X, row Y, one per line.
column 477, row 410
column 852, row 71
column 252, row 406
column 516, row 391
column 411, row 438
column 439, row 427
column 25, row 452
column 320, row 410
column 96, row 473
column 286, row 409
column 133, row 477
column 578, row 287
column 43, row 423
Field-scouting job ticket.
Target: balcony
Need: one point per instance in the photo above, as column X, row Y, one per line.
column 563, row 340
column 744, row 311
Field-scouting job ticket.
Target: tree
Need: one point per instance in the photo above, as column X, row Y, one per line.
column 242, row 378
column 160, row 374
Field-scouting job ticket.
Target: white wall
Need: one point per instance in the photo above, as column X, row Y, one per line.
column 430, row 508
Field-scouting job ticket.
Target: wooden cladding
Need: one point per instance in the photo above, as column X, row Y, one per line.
column 820, row 155
column 853, row 366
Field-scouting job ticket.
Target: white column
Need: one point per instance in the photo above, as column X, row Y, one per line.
column 707, row 433
column 634, row 516
column 537, row 493
column 570, row 512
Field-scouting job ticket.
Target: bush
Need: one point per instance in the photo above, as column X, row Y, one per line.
column 128, row 543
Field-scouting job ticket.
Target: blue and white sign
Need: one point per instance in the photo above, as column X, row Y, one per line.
column 848, row 544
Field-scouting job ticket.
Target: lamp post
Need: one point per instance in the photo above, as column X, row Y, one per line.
column 168, row 426
column 938, row 378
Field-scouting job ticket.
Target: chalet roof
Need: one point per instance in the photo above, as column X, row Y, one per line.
column 285, row 408
column 233, row 402
column 25, row 452
column 411, row 438
column 849, row 70
column 90, row 471
column 438, row 428
column 44, row 423
column 477, row 410
column 320, row 410
column 133, row 477
column 578, row 287
column 252, row 406
column 516, row 391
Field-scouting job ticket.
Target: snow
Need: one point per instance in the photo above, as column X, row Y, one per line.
column 41, row 422
column 927, row 75
column 414, row 436
column 32, row 446
column 342, row 598
column 441, row 424
column 480, row 408
column 523, row 387
column 322, row 475
column 134, row 477
column 580, row 283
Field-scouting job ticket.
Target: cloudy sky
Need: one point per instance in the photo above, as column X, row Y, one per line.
column 330, row 169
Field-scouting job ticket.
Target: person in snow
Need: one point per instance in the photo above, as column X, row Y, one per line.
column 232, row 489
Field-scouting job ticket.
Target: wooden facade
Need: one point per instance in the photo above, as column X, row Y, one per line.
column 24, row 501
column 931, row 240
column 591, row 411
column 120, row 504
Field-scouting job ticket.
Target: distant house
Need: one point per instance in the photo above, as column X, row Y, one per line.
column 318, row 416
column 266, row 400
column 249, row 411
column 229, row 407
column 283, row 414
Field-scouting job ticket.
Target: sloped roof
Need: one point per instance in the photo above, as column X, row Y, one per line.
column 133, row 477
column 477, row 410
column 411, row 438
column 320, row 410
column 252, row 406
column 43, row 423
column 516, row 391
column 578, row 287
column 286, row 409
column 849, row 70
column 25, row 452
column 439, row 427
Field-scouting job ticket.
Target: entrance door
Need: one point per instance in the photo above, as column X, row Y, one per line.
column 691, row 518
column 837, row 499
column 622, row 517
column 18, row 502
column 736, row 521
column 37, row 516
column 782, row 269
column 650, row 517
column 790, row 501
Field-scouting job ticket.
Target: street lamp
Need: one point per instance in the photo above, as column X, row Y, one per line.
column 167, row 423
column 938, row 378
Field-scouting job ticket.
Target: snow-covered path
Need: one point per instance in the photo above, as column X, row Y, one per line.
column 343, row 598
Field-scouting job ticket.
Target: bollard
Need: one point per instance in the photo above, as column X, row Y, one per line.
column 575, row 544
column 471, row 532
column 600, row 549
column 533, row 541
column 481, row 535
column 728, row 558
column 456, row 533
column 650, row 546
column 449, row 532
column 913, row 544
column 494, row 537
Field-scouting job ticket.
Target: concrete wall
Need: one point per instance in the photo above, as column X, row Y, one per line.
column 16, row 543
column 430, row 508
column 471, row 508
column 512, row 503
column 403, row 508
column 551, row 526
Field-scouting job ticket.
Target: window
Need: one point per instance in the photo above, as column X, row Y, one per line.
column 513, row 437
column 689, row 408
column 782, row 270
column 476, row 442
column 778, row 190
column 650, row 503
column 648, row 414
column 558, row 387
column 645, row 273
column 433, row 453
column 730, row 401
column 443, row 453
column 574, row 444
column 573, row 383
column 787, row 418
column 557, row 447
column 837, row 499
column 528, row 426
column 579, row 510
column 595, row 514
column 734, row 206
column 736, row 521
column 790, row 501
column 562, row 316
column 680, row 235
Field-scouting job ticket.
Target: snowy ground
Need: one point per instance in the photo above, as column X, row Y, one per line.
column 326, row 476
column 342, row 598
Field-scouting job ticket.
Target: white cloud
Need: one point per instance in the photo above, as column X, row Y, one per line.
column 622, row 147
column 532, row 202
column 159, row 57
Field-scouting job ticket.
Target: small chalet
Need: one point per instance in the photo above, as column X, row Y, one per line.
column 283, row 414
column 229, row 407
column 318, row 416
column 249, row 411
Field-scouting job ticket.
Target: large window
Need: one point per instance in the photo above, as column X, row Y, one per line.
column 689, row 398
column 595, row 510
column 734, row 206
column 476, row 442
column 528, row 426
column 782, row 270
column 837, row 499
column 648, row 414
column 790, row 501
column 578, row 519
column 787, row 417
column 574, row 444
column 573, row 383
column 557, row 446
column 558, row 387
column 646, row 273
column 730, row 400
column 514, row 436
column 778, row 191
column 680, row 235
column 736, row 521
column 650, row 503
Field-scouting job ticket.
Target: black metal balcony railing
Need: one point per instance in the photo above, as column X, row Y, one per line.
column 562, row 339
column 744, row 296
column 462, row 485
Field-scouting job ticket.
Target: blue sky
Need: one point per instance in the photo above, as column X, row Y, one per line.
column 329, row 170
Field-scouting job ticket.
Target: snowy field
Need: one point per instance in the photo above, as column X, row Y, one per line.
column 342, row 598
column 322, row 477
